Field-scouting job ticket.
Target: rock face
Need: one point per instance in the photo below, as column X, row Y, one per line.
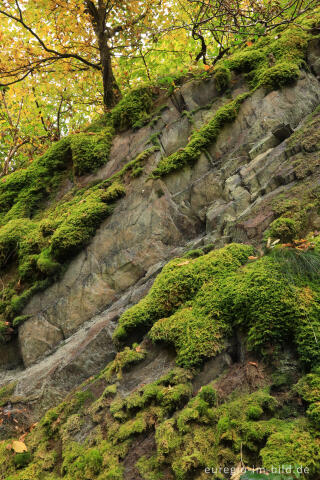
column 223, row 198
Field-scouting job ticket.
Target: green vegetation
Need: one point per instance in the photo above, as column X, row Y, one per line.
column 133, row 109
column 222, row 76
column 6, row 392
column 284, row 229
column 39, row 238
column 125, row 358
column 196, row 304
column 178, row 282
column 273, row 63
column 89, row 152
column 200, row 139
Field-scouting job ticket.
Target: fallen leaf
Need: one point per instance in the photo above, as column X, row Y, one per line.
column 183, row 263
column 19, row 447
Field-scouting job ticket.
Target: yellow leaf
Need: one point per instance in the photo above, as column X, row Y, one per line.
column 19, row 447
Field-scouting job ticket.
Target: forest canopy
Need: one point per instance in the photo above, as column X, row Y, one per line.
column 63, row 62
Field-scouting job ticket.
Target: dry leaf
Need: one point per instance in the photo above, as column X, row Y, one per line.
column 183, row 263
column 19, row 447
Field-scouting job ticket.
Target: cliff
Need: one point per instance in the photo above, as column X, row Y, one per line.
column 209, row 359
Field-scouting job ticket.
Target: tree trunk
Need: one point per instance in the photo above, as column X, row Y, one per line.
column 111, row 91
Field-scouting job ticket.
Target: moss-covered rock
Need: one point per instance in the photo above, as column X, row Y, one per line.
column 91, row 151
column 200, row 139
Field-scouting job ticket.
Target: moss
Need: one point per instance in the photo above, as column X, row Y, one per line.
column 222, row 76
column 22, row 192
column 246, row 60
column 17, row 321
column 309, row 389
column 195, row 304
column 22, row 459
column 284, row 229
column 200, row 139
column 131, row 168
column 46, row 264
column 292, row 445
column 193, row 253
column 282, row 74
column 123, row 360
column 149, row 469
column 78, row 227
column 133, row 109
column 6, row 392
column 91, row 151
column 178, row 282
column 81, row 463
column 18, row 302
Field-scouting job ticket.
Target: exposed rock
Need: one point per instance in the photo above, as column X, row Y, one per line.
column 282, row 131
column 224, row 197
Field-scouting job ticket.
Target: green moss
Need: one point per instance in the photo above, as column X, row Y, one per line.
column 81, row 463
column 78, row 227
column 123, row 360
column 282, row 74
column 18, row 302
column 23, row 192
column 91, row 151
column 133, row 109
column 6, row 392
column 246, row 60
column 284, row 229
column 222, row 76
column 17, row 321
column 22, row 459
column 193, row 253
column 46, row 264
column 178, row 282
column 292, row 445
column 309, row 389
column 200, row 140
column 149, row 468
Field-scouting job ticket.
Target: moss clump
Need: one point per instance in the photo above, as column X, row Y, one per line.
column 245, row 60
column 46, row 264
column 79, row 225
column 194, row 253
column 292, row 444
column 22, row 459
column 222, row 76
column 309, row 389
column 91, row 151
column 81, row 463
column 124, row 359
column 17, row 321
column 284, row 229
column 200, row 140
column 280, row 75
column 178, row 282
column 23, row 192
column 133, row 109
column 195, row 304
column 205, row 435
